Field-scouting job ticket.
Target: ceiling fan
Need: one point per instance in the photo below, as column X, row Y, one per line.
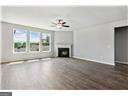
column 59, row 24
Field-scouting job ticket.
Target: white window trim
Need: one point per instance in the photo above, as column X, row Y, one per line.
column 14, row 42
column 50, row 47
column 28, row 43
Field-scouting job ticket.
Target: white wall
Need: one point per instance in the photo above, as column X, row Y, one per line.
column 63, row 37
column 0, row 41
column 0, row 47
column 96, row 43
column 0, row 55
column 7, row 43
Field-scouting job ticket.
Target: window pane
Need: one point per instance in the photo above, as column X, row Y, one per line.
column 45, row 41
column 34, row 41
column 20, row 40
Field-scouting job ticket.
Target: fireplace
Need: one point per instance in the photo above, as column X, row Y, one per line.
column 63, row 52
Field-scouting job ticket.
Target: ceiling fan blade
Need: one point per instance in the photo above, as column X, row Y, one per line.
column 64, row 23
column 66, row 26
column 53, row 23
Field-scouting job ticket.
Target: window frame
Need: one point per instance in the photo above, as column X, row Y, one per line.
column 50, row 47
column 14, row 41
column 29, row 51
column 28, row 42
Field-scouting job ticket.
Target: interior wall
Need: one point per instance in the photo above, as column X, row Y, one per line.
column 121, row 45
column 63, row 37
column 0, row 56
column 7, row 43
column 0, row 41
column 96, row 43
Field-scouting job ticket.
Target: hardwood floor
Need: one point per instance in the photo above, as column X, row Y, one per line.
column 63, row 73
column 5, row 93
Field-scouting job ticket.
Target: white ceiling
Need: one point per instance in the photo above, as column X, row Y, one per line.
column 75, row 16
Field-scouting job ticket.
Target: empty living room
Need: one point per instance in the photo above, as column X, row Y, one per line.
column 64, row 48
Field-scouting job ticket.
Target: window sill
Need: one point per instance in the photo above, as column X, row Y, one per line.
column 31, row 52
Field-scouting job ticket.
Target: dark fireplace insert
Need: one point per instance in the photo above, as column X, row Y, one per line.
column 63, row 52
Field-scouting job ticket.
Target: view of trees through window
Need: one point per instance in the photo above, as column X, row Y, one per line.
column 45, row 41
column 21, row 41
column 34, row 41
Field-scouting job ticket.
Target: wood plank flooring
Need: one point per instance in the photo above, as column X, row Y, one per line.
column 5, row 93
column 63, row 74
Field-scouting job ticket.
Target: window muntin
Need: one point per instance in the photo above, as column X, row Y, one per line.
column 34, row 41
column 19, row 40
column 46, row 42
column 29, row 41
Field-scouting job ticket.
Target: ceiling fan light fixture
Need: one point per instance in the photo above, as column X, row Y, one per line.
column 60, row 23
column 59, row 26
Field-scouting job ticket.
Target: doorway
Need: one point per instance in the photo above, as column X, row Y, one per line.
column 121, row 45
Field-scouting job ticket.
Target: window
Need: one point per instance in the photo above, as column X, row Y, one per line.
column 45, row 42
column 19, row 40
column 34, row 41
column 30, row 41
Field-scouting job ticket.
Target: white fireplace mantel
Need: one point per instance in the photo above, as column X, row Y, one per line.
column 60, row 45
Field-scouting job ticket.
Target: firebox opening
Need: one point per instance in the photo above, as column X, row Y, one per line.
column 63, row 52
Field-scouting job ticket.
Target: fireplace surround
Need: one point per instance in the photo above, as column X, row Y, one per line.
column 63, row 50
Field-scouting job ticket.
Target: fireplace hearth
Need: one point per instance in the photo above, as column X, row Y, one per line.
column 63, row 52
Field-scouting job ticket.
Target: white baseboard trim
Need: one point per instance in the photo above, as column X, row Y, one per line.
column 94, row 61
column 9, row 61
column 121, row 62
